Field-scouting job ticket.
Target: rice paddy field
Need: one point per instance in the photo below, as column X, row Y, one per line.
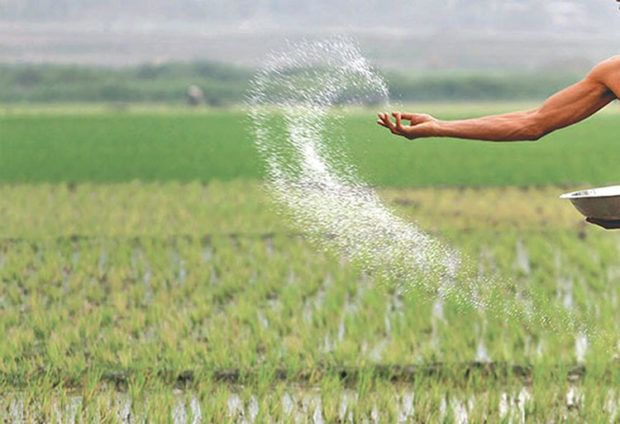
column 147, row 277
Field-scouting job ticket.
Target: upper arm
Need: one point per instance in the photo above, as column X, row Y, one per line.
column 579, row 101
column 607, row 73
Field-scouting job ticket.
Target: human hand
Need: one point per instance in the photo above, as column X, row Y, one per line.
column 420, row 124
column 607, row 224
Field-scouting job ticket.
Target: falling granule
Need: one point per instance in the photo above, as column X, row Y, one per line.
column 294, row 102
column 295, row 124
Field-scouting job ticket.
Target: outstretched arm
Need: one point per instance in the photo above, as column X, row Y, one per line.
column 569, row 106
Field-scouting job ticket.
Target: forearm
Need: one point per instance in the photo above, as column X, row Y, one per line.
column 565, row 108
column 514, row 126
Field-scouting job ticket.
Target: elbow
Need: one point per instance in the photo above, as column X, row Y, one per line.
column 535, row 128
column 533, row 133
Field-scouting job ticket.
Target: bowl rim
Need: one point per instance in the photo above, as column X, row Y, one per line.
column 590, row 193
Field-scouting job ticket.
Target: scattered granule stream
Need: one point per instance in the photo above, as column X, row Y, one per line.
column 294, row 107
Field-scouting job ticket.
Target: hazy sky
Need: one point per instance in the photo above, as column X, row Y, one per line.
column 398, row 33
column 414, row 15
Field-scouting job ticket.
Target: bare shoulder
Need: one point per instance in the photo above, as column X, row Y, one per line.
column 609, row 68
column 607, row 75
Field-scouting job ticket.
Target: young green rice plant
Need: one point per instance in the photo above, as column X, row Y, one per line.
column 180, row 304
column 186, row 146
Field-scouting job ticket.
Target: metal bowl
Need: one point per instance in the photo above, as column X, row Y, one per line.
column 599, row 203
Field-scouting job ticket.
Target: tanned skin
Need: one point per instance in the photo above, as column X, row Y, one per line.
column 567, row 107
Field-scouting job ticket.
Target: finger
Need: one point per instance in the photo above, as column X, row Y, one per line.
column 383, row 120
column 399, row 124
column 390, row 124
column 415, row 118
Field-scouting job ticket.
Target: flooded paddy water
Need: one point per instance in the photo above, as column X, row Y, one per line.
column 310, row 405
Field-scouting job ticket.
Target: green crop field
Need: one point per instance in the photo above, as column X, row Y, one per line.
column 114, row 146
column 146, row 277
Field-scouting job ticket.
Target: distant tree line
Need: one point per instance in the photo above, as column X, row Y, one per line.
column 221, row 84
column 479, row 85
column 224, row 85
